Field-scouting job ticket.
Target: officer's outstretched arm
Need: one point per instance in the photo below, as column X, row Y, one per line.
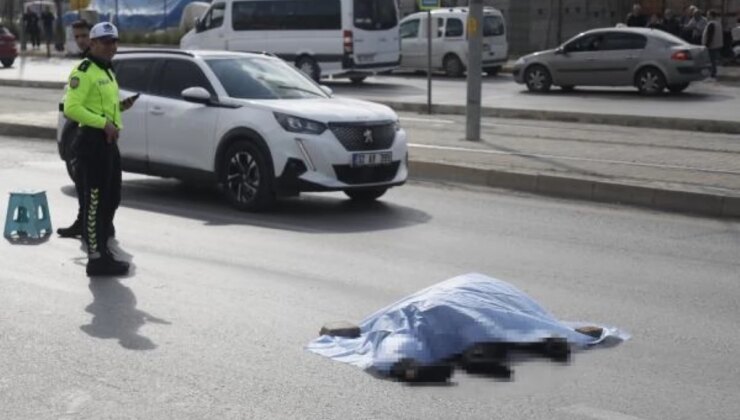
column 74, row 103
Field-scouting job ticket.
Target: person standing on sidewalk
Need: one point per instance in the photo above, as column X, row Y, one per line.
column 712, row 38
column 47, row 21
column 697, row 24
column 92, row 101
column 636, row 18
column 81, row 31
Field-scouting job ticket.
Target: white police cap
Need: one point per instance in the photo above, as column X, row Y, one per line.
column 104, row 30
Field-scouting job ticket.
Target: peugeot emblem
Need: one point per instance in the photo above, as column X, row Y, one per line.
column 368, row 134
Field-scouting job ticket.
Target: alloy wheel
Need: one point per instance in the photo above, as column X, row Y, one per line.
column 243, row 177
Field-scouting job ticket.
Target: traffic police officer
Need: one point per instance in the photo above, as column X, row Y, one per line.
column 92, row 100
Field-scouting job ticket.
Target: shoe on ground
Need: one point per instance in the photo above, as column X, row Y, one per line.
column 106, row 266
column 73, row 231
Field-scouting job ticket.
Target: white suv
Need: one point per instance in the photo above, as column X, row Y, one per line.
column 254, row 125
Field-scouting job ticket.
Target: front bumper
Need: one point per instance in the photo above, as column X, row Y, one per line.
column 321, row 163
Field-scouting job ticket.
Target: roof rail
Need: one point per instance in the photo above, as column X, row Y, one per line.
column 156, row 51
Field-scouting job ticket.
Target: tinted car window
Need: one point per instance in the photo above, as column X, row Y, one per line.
column 287, row 15
column 622, row 41
column 410, row 29
column 3, row 31
column 134, row 75
column 454, row 28
column 178, row 75
column 584, row 43
column 493, row 26
column 375, row 14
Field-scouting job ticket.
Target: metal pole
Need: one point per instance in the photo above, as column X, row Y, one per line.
column 429, row 62
column 475, row 70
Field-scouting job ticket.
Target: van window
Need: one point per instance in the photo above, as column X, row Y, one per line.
column 454, row 28
column 410, row 29
column 493, row 25
column 375, row 15
column 214, row 18
column 287, row 15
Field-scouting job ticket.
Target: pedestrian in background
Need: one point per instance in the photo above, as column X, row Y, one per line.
column 697, row 24
column 31, row 26
column 47, row 22
column 636, row 18
column 712, row 38
column 671, row 23
column 656, row 22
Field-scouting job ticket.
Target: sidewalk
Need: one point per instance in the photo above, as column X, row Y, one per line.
column 658, row 169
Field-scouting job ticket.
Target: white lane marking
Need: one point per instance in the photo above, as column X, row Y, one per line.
column 573, row 158
column 428, row 120
column 597, row 413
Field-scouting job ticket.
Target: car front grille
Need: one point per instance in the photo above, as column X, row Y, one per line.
column 366, row 174
column 362, row 137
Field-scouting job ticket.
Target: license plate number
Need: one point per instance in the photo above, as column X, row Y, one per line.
column 371, row 159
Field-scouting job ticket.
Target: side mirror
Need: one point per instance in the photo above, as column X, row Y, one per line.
column 198, row 24
column 196, row 95
column 560, row 51
column 327, row 90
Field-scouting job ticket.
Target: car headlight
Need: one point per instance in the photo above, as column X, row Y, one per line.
column 299, row 125
column 397, row 125
column 519, row 62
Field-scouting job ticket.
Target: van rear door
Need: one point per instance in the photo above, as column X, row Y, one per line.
column 375, row 33
column 494, row 38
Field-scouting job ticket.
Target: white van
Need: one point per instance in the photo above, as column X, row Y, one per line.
column 450, row 41
column 354, row 38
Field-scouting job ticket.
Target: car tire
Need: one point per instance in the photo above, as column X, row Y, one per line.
column 678, row 88
column 356, row 80
column 309, row 66
column 650, row 81
column 7, row 62
column 453, row 66
column 538, row 79
column 365, row 194
column 247, row 178
column 568, row 88
column 492, row 71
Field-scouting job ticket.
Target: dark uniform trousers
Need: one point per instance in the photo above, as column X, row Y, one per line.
column 99, row 176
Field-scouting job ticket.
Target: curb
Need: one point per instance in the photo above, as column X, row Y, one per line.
column 713, row 205
column 36, row 84
column 683, row 124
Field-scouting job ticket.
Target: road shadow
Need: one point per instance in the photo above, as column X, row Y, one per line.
column 310, row 213
column 115, row 315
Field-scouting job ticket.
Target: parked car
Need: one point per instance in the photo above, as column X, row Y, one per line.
column 350, row 38
column 253, row 124
column 450, row 41
column 649, row 59
column 8, row 48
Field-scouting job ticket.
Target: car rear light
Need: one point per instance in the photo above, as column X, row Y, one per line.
column 348, row 42
column 681, row 56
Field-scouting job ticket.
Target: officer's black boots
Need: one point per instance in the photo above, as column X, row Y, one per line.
column 105, row 266
column 74, row 231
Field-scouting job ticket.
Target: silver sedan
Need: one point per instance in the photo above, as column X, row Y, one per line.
column 649, row 59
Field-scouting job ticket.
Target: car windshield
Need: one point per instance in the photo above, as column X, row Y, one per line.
column 375, row 15
column 3, row 31
column 262, row 78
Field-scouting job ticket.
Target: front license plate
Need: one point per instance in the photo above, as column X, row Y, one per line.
column 371, row 159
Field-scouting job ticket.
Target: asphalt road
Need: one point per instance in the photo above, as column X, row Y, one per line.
column 212, row 322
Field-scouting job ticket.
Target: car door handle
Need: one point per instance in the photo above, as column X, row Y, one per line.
column 157, row 111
